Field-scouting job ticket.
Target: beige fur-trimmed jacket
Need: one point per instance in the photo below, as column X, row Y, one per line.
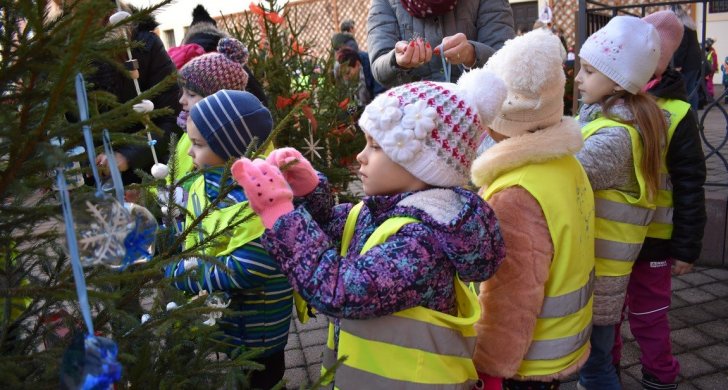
column 511, row 300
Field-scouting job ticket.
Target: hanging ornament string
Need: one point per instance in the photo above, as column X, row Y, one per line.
column 159, row 170
column 446, row 67
column 73, row 251
column 88, row 138
column 113, row 168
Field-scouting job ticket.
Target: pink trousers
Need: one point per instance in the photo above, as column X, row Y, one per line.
column 647, row 304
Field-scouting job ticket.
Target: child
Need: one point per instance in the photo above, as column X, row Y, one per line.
column 389, row 271
column 537, row 308
column 673, row 236
column 624, row 135
column 220, row 127
column 201, row 77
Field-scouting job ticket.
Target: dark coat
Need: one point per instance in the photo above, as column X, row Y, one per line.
column 686, row 166
column 154, row 66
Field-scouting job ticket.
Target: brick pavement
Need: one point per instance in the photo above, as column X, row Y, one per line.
column 698, row 318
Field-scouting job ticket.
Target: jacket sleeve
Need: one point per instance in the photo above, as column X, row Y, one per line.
column 511, row 300
column 603, row 158
column 495, row 26
column 355, row 286
column 154, row 66
column 249, row 266
column 686, row 166
column 382, row 34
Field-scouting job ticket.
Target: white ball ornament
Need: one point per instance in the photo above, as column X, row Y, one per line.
column 160, row 170
column 145, row 318
column 171, row 306
column 144, row 106
column 118, row 17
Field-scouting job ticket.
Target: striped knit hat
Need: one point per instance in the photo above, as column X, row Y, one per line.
column 212, row 72
column 228, row 120
column 432, row 129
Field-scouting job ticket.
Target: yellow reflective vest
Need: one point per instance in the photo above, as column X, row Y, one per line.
column 621, row 219
column 218, row 220
column 661, row 225
column 416, row 347
column 563, row 327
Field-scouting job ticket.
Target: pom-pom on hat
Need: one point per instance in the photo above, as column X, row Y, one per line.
column 432, row 129
column 212, row 72
column 670, row 30
column 531, row 67
column 228, row 120
column 626, row 50
column 200, row 15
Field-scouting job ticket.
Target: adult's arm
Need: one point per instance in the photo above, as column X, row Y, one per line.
column 495, row 27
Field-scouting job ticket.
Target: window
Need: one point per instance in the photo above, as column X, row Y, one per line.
column 717, row 6
column 169, row 37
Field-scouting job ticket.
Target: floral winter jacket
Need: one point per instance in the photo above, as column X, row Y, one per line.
column 458, row 233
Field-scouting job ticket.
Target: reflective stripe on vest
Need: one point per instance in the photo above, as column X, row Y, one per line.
column 661, row 225
column 561, row 334
column 413, row 348
column 621, row 219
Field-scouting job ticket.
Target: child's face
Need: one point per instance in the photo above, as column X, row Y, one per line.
column 381, row 176
column 200, row 151
column 593, row 84
column 189, row 99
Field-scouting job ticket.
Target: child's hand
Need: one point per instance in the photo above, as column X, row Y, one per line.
column 266, row 189
column 300, row 175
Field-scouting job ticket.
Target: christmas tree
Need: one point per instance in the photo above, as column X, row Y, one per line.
column 324, row 115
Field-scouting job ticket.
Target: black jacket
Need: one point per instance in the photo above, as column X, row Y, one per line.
column 686, row 166
column 154, row 66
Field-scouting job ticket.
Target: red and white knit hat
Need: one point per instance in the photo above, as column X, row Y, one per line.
column 432, row 129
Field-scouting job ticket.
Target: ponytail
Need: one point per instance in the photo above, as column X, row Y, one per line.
column 650, row 120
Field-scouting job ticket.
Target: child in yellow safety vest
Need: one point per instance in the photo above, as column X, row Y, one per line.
column 537, row 308
column 675, row 235
column 389, row 271
column 624, row 134
column 221, row 127
column 202, row 77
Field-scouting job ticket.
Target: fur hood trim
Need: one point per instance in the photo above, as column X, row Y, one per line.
column 543, row 145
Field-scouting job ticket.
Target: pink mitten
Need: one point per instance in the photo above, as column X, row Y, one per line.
column 265, row 187
column 300, row 174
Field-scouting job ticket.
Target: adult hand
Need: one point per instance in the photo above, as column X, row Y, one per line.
column 457, row 50
column 413, row 53
column 102, row 161
column 681, row 267
column 297, row 171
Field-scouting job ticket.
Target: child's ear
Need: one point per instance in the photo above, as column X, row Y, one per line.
column 618, row 88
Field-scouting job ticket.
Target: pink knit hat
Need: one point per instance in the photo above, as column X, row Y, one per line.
column 432, row 129
column 219, row 70
column 670, row 30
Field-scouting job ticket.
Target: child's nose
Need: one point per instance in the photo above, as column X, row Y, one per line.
column 360, row 158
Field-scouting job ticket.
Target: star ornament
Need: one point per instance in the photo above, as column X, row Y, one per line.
column 312, row 148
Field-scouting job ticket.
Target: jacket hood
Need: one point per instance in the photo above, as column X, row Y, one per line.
column 547, row 144
column 670, row 86
column 460, row 219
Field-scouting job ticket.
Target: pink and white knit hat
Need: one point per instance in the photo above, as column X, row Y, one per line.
column 219, row 70
column 432, row 129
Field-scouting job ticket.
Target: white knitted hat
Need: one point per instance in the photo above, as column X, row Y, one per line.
column 532, row 68
column 626, row 50
column 432, row 129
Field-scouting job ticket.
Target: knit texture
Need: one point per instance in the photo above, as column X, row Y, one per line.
column 626, row 50
column 670, row 30
column 531, row 66
column 212, row 72
column 228, row 120
column 433, row 129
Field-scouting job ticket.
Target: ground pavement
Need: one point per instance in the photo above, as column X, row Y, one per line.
column 698, row 318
